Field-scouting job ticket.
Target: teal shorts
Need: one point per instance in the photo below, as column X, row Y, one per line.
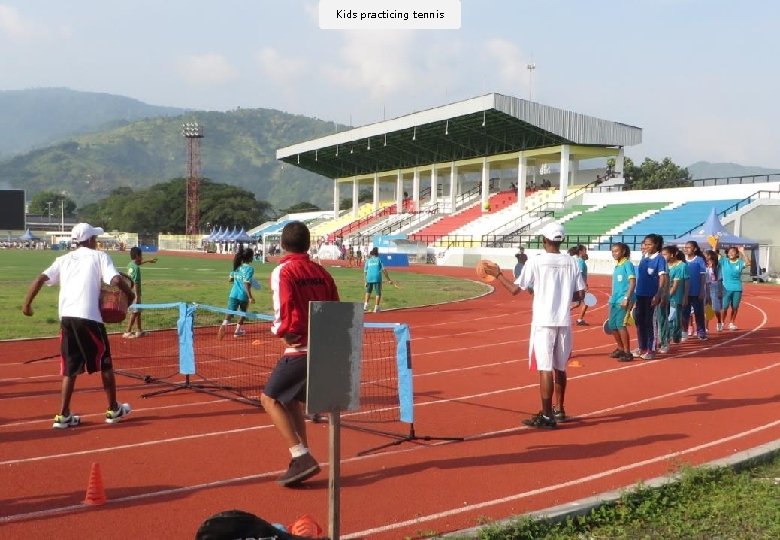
column 617, row 316
column 371, row 287
column 731, row 298
column 234, row 304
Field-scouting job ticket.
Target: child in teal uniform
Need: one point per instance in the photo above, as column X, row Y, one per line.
column 678, row 290
column 731, row 267
column 240, row 296
column 621, row 300
column 373, row 269
column 134, row 273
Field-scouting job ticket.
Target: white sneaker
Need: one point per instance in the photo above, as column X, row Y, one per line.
column 719, row 327
column 112, row 417
column 129, row 335
column 64, row 422
column 377, row 309
column 140, row 333
column 663, row 350
column 239, row 332
column 732, row 326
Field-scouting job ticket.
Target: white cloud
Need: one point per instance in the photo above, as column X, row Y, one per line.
column 18, row 28
column 510, row 63
column 379, row 63
column 280, row 69
column 207, row 69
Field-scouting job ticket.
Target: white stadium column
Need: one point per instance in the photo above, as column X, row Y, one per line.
column 453, row 186
column 376, row 192
column 399, row 192
column 575, row 170
column 416, row 189
column 563, row 178
column 485, row 185
column 355, row 203
column 522, row 180
column 434, row 185
column 336, row 198
column 619, row 162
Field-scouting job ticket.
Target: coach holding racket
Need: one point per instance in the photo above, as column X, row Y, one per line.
column 554, row 279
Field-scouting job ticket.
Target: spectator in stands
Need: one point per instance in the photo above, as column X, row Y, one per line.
column 553, row 279
column 714, row 295
column 697, row 288
column 373, row 270
column 678, row 290
column 731, row 268
column 84, row 344
column 294, row 283
column 621, row 300
column 651, row 278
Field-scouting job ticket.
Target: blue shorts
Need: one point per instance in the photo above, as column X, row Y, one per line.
column 374, row 287
column 288, row 379
column 234, row 304
column 731, row 298
column 715, row 296
column 617, row 316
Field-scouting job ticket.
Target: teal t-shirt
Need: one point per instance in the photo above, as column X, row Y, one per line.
column 583, row 268
column 621, row 277
column 731, row 273
column 373, row 270
column 242, row 275
column 678, row 272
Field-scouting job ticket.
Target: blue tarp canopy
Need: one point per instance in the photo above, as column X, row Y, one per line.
column 28, row 236
column 713, row 228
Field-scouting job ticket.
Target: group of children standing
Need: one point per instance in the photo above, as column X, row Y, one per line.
column 672, row 295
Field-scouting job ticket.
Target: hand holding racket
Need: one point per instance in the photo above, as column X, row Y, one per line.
column 487, row 271
column 394, row 284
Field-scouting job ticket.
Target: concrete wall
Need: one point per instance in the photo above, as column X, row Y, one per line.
column 686, row 194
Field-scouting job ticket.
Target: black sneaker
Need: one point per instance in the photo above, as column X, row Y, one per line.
column 301, row 468
column 540, row 421
column 617, row 353
column 581, row 322
column 626, row 357
column 559, row 414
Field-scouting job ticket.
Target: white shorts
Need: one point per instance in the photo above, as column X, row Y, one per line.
column 549, row 347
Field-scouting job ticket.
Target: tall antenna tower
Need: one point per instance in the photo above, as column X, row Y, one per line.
column 193, row 132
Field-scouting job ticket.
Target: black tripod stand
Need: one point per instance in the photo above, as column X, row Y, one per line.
column 399, row 438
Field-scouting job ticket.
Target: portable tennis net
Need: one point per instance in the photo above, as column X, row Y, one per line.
column 181, row 350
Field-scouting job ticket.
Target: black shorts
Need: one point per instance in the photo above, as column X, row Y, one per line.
column 83, row 346
column 288, row 380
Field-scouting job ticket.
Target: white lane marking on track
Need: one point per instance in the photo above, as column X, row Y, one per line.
column 554, row 487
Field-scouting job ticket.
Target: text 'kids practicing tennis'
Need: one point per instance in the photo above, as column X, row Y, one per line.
column 294, row 283
column 554, row 279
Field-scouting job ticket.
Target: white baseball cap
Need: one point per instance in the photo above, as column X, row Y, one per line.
column 82, row 232
column 553, row 231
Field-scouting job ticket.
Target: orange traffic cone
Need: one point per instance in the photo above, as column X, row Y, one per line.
column 96, row 495
column 305, row 526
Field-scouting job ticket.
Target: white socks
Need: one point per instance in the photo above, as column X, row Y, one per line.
column 298, row 450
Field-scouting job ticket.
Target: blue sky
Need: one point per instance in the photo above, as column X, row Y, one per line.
column 699, row 76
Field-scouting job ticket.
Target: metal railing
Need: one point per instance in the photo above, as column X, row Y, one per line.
column 745, row 179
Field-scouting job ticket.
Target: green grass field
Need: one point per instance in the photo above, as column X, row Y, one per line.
column 203, row 280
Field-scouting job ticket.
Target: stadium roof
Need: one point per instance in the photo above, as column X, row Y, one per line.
column 483, row 126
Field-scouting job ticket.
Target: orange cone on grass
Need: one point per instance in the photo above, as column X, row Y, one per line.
column 96, row 495
column 305, row 526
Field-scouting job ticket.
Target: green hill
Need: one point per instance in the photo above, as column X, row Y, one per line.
column 41, row 116
column 705, row 169
column 239, row 148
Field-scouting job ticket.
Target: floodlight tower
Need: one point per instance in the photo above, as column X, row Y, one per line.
column 193, row 132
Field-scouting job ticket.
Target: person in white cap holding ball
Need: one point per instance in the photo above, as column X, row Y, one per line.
column 83, row 340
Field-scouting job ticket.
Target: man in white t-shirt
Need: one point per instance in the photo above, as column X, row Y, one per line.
column 554, row 280
column 84, row 343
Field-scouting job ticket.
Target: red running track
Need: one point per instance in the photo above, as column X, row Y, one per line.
column 184, row 456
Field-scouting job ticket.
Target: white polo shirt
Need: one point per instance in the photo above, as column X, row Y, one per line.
column 554, row 277
column 80, row 274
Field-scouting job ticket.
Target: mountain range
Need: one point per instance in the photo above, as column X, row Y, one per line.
column 87, row 144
